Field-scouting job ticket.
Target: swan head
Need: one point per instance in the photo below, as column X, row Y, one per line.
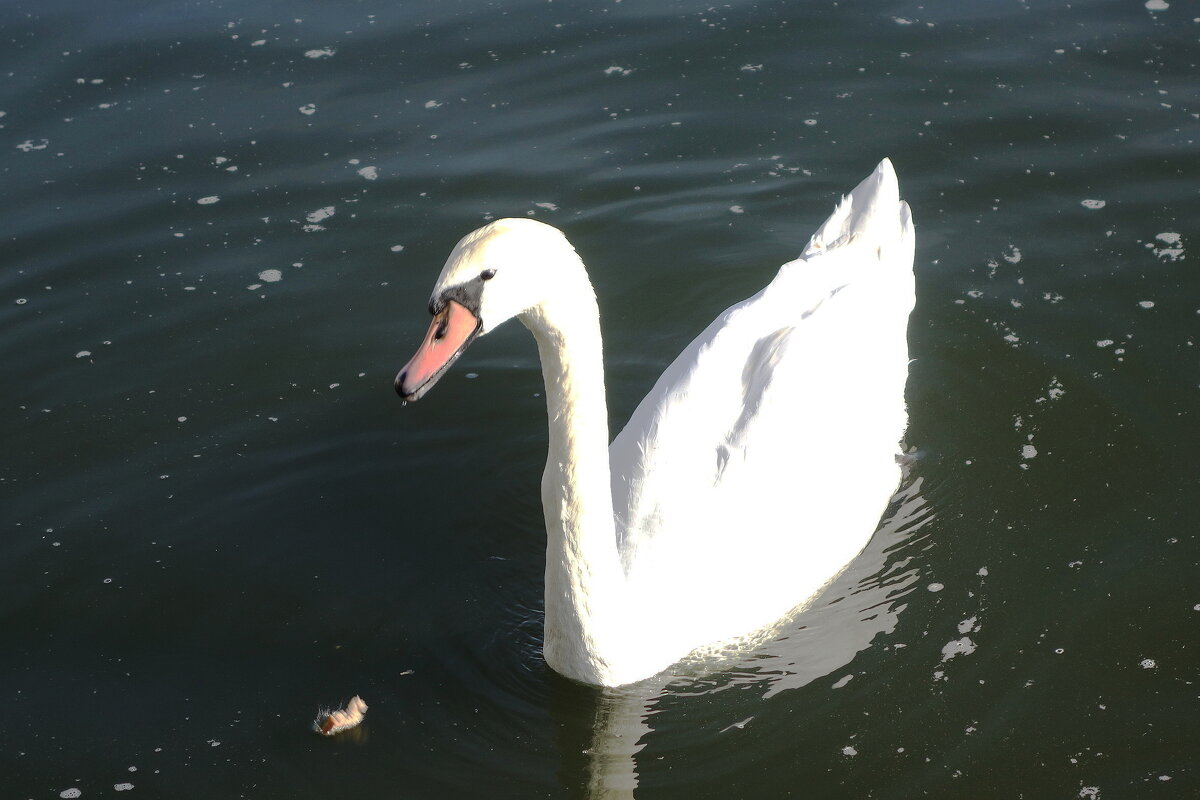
column 508, row 268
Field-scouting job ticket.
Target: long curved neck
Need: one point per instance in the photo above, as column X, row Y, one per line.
column 584, row 580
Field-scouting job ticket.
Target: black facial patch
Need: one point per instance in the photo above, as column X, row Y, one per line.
column 467, row 295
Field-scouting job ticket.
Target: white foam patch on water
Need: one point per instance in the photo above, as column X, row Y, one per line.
column 1028, row 451
column 397, row 248
column 208, row 201
column 1093, row 204
column 308, row 109
column 935, row 587
column 270, row 276
column 320, row 214
column 122, row 787
column 433, row 104
column 1157, row 5
column 83, row 354
column 547, row 206
column 28, row 145
column 739, row 725
column 1013, row 255
column 69, row 793
column 1147, row 663
column 323, row 52
column 621, row 71
column 849, row 751
column 1173, row 249
column 1146, row 303
column 1104, row 343
column 958, row 647
column 370, row 173
column 842, row 682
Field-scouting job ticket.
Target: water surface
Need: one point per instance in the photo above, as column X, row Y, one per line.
column 221, row 224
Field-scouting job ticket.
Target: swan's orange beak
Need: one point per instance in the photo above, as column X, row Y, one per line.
column 453, row 328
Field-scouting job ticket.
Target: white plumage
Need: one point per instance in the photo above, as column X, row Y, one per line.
column 752, row 473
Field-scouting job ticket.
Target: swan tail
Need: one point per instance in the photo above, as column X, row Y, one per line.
column 872, row 214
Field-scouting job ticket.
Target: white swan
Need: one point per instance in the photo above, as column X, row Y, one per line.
column 751, row 474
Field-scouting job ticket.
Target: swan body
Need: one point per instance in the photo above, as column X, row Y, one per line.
column 752, row 473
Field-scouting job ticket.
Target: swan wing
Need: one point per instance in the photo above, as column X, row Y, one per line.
column 765, row 453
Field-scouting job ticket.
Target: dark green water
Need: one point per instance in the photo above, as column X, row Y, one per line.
column 220, row 224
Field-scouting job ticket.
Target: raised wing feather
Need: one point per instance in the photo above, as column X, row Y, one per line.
column 769, row 443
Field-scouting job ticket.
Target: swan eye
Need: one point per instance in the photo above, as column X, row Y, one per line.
column 440, row 333
column 487, row 274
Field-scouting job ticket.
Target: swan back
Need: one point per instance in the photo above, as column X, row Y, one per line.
column 765, row 454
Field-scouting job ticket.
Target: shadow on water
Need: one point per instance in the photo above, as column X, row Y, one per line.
column 599, row 749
